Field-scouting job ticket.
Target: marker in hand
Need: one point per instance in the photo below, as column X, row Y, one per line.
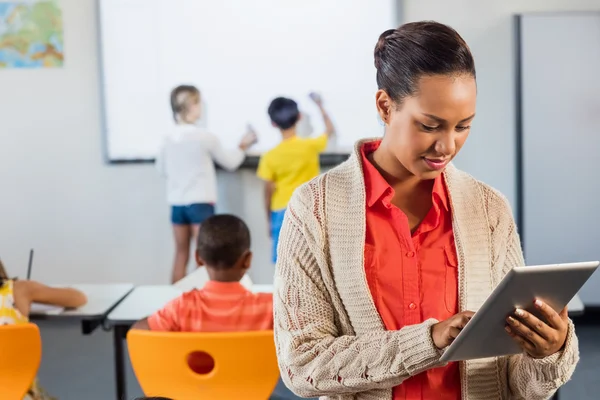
column 249, row 139
column 316, row 97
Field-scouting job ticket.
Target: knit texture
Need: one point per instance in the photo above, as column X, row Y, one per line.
column 330, row 339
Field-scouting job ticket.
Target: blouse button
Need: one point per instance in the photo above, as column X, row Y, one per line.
column 410, row 254
column 412, row 306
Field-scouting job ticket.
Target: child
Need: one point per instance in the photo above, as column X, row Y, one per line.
column 186, row 159
column 16, row 298
column 223, row 305
column 291, row 163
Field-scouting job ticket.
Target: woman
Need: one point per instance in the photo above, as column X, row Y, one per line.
column 381, row 258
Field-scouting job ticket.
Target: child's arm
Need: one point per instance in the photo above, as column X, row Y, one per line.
column 232, row 159
column 142, row 324
column 329, row 128
column 35, row 292
column 165, row 319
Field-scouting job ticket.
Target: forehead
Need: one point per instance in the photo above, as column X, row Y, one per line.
column 446, row 96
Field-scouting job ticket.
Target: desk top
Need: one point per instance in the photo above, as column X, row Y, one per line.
column 145, row 300
column 101, row 299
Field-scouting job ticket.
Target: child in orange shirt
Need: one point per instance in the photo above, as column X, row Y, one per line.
column 223, row 304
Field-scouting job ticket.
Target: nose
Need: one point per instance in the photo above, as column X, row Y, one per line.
column 446, row 144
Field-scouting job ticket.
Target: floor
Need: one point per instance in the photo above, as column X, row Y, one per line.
column 76, row 367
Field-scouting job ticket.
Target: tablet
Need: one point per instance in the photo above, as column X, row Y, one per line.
column 484, row 335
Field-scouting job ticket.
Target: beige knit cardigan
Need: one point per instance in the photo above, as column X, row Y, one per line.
column 330, row 339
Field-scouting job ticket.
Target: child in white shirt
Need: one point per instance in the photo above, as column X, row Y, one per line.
column 186, row 158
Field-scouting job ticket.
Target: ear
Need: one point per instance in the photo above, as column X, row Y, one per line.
column 384, row 104
column 274, row 125
column 199, row 260
column 300, row 116
column 247, row 260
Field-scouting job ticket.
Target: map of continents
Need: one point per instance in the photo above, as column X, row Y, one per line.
column 31, row 35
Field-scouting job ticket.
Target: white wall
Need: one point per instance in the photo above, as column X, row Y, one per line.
column 88, row 221
column 487, row 26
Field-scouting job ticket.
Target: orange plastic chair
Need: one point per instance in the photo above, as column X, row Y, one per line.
column 21, row 354
column 245, row 364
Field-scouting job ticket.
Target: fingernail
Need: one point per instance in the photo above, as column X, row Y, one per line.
column 538, row 303
column 511, row 320
column 507, row 329
column 519, row 312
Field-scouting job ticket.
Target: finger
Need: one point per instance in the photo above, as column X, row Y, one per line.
column 564, row 313
column 525, row 332
column 453, row 332
column 522, row 342
column 469, row 314
column 548, row 312
column 461, row 321
column 534, row 323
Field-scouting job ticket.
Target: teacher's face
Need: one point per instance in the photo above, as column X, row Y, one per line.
column 426, row 131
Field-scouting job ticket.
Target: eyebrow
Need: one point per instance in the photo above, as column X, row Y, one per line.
column 441, row 120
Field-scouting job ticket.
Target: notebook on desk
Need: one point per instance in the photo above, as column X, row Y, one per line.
column 45, row 309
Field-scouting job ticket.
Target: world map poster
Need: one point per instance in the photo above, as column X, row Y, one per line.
column 31, row 35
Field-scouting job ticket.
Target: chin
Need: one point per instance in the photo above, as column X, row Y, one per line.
column 429, row 174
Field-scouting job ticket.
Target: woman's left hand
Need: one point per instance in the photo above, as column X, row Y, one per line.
column 537, row 338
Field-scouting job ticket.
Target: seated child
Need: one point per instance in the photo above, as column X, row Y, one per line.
column 223, row 304
column 16, row 298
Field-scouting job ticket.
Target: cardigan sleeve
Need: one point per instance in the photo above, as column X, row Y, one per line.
column 530, row 378
column 315, row 359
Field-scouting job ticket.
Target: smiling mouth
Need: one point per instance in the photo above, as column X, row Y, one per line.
column 436, row 163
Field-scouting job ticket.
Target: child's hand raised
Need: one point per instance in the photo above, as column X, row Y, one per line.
column 316, row 97
column 249, row 139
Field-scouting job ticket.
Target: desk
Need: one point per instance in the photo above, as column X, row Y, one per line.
column 140, row 303
column 102, row 299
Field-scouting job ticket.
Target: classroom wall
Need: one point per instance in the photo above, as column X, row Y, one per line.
column 88, row 221
column 487, row 26
column 92, row 222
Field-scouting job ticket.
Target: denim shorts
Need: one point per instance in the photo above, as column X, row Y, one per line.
column 193, row 214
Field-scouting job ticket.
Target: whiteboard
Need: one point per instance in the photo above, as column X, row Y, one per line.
column 240, row 54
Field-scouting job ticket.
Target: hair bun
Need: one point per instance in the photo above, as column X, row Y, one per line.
column 380, row 46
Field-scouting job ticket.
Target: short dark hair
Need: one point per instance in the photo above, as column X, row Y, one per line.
column 222, row 240
column 284, row 112
column 411, row 51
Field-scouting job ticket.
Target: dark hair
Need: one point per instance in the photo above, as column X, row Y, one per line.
column 405, row 54
column 3, row 274
column 284, row 112
column 181, row 99
column 222, row 240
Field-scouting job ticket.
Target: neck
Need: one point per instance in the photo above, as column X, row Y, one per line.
column 224, row 275
column 288, row 133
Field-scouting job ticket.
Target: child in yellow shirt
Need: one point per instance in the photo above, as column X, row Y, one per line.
column 292, row 162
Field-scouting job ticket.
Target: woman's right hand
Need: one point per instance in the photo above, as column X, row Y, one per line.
column 443, row 333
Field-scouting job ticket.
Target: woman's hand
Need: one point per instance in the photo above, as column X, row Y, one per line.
column 443, row 333
column 536, row 337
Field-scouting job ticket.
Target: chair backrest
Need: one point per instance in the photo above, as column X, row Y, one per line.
column 245, row 364
column 20, row 353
